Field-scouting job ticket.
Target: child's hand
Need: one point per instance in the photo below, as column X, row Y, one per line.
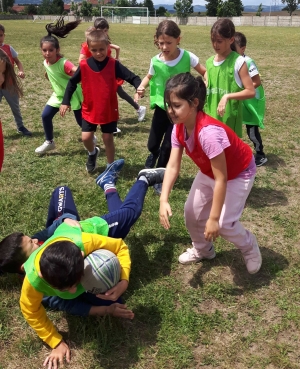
column 222, row 105
column 136, row 97
column 56, row 358
column 211, row 230
column 21, row 74
column 114, row 293
column 63, row 109
column 120, row 311
column 141, row 91
column 164, row 213
column 72, row 222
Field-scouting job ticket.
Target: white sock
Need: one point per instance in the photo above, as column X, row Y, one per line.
column 92, row 152
column 143, row 178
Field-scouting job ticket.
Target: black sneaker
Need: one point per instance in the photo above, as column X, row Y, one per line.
column 260, row 160
column 151, row 160
column 153, row 176
column 92, row 160
column 24, row 131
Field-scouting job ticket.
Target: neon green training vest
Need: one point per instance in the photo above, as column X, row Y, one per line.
column 254, row 109
column 220, row 82
column 94, row 225
column 162, row 73
column 59, row 80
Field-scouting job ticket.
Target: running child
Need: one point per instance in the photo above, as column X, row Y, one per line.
column 253, row 109
column 98, row 76
column 101, row 23
column 228, row 80
column 170, row 61
column 8, row 82
column 19, row 250
column 11, row 97
column 58, row 71
column 226, row 175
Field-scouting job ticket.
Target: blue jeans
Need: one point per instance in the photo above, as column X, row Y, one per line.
column 121, row 217
column 47, row 118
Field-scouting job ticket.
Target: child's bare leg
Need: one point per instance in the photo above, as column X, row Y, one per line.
column 108, row 140
column 87, row 139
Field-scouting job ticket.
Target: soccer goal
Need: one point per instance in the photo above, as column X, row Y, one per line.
column 119, row 14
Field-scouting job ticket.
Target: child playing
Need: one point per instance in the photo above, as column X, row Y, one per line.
column 98, row 76
column 9, row 83
column 58, row 72
column 253, row 109
column 228, row 81
column 221, row 187
column 17, row 248
column 11, row 97
column 102, row 24
column 170, row 61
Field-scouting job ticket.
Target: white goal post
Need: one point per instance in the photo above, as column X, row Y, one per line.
column 134, row 12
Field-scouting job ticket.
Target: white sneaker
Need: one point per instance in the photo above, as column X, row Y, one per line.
column 141, row 112
column 189, row 257
column 117, row 131
column 46, row 146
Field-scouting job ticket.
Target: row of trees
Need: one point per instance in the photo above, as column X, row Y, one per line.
column 183, row 8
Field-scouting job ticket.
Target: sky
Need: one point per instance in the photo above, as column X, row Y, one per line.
column 202, row 2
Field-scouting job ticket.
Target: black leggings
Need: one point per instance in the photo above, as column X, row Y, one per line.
column 255, row 137
column 159, row 141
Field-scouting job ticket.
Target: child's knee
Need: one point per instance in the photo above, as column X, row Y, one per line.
column 87, row 136
column 108, row 139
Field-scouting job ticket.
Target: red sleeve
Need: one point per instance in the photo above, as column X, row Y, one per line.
column 68, row 68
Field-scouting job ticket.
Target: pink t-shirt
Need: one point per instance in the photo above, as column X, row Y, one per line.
column 68, row 66
column 213, row 140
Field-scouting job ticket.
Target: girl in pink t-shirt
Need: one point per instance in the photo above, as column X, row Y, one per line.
column 223, row 183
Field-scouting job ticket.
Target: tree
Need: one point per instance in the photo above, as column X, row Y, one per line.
column 230, row 8
column 149, row 4
column 7, row 4
column 212, row 7
column 58, row 6
column 161, row 11
column 75, row 9
column 184, row 8
column 291, row 5
column 45, row 7
column 259, row 10
column 30, row 9
column 86, row 9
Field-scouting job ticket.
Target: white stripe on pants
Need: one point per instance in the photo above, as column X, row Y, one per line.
column 197, row 209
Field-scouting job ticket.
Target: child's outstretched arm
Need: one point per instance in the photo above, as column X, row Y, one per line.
column 144, row 84
column 247, row 93
column 35, row 314
column 70, row 89
column 200, row 69
column 21, row 73
column 117, row 50
column 171, row 174
column 219, row 169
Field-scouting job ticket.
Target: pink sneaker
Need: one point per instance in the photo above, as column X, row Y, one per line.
column 253, row 258
column 190, row 257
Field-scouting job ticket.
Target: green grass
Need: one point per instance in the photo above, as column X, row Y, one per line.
column 210, row 315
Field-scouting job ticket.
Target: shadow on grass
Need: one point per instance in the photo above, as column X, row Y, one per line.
column 272, row 264
column 144, row 269
column 16, row 136
column 115, row 343
column 263, row 197
column 274, row 161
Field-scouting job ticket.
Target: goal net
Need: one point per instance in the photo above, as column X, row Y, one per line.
column 118, row 14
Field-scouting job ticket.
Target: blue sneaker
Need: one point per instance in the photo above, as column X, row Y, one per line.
column 110, row 173
column 107, row 182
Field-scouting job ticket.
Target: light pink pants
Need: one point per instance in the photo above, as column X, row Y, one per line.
column 197, row 209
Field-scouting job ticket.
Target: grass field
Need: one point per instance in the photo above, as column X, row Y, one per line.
column 210, row 315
